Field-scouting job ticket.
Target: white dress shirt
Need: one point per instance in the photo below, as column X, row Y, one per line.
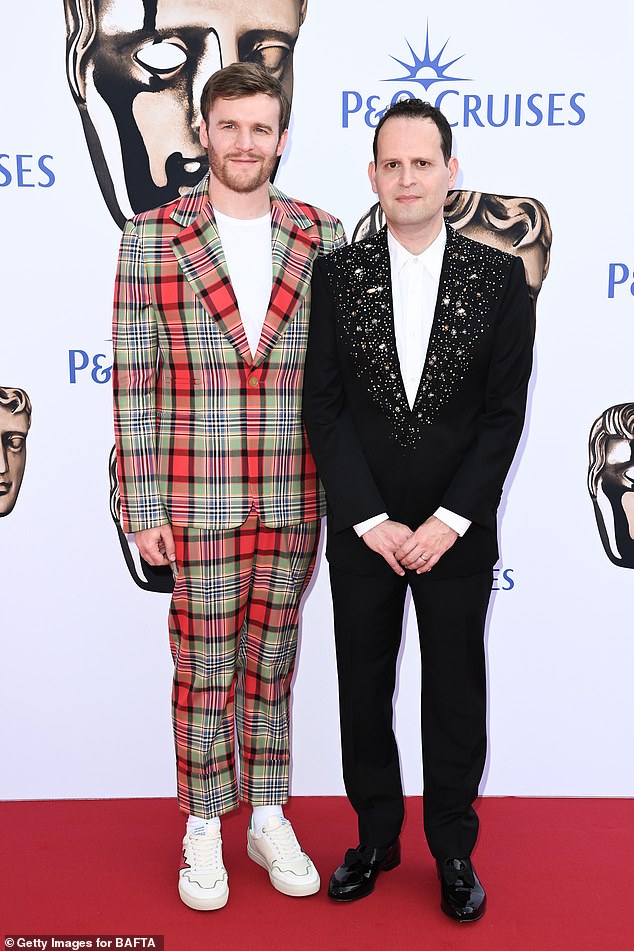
column 415, row 281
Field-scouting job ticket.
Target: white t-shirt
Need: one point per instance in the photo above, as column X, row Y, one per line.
column 246, row 243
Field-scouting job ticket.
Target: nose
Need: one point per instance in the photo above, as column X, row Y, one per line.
column 406, row 178
column 244, row 140
column 4, row 464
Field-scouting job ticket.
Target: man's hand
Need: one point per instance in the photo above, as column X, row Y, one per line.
column 385, row 538
column 156, row 545
column 426, row 546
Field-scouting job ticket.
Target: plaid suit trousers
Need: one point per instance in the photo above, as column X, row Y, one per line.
column 233, row 635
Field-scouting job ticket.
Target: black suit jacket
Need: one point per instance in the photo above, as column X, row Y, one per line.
column 454, row 448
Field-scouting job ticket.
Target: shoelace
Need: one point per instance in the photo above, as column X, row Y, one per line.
column 284, row 841
column 205, row 852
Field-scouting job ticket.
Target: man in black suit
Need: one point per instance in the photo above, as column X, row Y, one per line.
column 417, row 371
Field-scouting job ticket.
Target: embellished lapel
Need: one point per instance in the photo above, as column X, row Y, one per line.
column 294, row 244
column 466, row 292
column 367, row 321
column 199, row 253
column 470, row 283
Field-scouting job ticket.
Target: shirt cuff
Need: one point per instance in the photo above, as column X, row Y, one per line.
column 457, row 522
column 362, row 527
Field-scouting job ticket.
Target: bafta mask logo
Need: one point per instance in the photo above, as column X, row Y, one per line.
column 518, row 225
column 611, row 481
column 136, row 69
column 15, row 420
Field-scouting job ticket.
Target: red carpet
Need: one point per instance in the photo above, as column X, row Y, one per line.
column 558, row 873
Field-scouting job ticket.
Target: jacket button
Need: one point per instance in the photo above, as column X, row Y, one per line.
column 253, row 381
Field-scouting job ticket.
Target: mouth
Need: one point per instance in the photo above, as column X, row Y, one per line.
column 5, row 487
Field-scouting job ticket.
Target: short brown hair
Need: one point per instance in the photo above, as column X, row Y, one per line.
column 417, row 109
column 240, row 80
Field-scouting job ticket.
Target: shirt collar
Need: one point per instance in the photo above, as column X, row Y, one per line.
column 431, row 257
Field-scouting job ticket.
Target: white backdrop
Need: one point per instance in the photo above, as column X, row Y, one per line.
column 86, row 668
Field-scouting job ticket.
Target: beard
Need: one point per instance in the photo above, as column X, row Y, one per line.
column 245, row 180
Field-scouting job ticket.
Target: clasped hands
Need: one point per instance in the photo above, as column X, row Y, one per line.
column 402, row 548
column 417, row 551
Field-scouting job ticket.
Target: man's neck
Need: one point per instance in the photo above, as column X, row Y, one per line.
column 245, row 205
column 415, row 238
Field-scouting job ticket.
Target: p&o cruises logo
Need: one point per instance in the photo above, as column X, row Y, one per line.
column 464, row 109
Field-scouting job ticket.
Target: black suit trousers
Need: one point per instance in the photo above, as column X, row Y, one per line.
column 451, row 614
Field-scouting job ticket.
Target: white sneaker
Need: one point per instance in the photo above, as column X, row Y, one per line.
column 202, row 880
column 277, row 850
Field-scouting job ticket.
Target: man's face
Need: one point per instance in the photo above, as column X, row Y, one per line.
column 144, row 72
column 410, row 176
column 243, row 142
column 13, row 431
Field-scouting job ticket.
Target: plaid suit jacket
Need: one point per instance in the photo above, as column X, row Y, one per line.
column 203, row 430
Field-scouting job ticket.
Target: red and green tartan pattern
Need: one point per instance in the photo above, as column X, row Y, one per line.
column 202, row 429
column 233, row 635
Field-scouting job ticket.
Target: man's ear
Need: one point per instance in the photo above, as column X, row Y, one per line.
column 452, row 165
column 203, row 134
column 372, row 176
column 281, row 145
column 80, row 33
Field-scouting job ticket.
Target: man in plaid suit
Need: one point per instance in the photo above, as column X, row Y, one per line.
column 210, row 329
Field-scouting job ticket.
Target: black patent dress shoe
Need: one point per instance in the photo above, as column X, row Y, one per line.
column 360, row 870
column 462, row 896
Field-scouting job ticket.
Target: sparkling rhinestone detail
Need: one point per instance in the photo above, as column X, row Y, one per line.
column 471, row 283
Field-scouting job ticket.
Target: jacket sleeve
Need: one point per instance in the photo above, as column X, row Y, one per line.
column 476, row 488
column 351, row 491
column 339, row 239
column 135, row 345
column 329, row 233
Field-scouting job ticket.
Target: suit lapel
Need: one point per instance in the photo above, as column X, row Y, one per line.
column 199, row 253
column 457, row 327
column 294, row 243
column 466, row 293
column 364, row 293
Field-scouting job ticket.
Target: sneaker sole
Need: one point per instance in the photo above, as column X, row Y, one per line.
column 293, row 891
column 203, row 904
